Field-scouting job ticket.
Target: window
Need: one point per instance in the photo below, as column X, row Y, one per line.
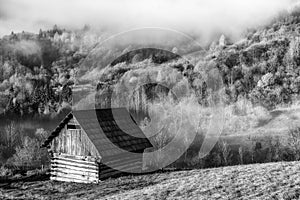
column 73, row 126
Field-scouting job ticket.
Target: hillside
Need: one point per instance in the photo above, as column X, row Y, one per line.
column 38, row 71
column 256, row 80
column 261, row 67
column 257, row 181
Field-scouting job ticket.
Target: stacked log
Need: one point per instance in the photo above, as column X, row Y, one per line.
column 80, row 169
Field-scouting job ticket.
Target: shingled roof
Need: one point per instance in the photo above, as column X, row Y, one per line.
column 112, row 131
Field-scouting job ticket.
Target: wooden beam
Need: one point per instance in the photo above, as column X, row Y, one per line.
column 60, row 174
column 88, row 166
column 74, row 160
column 55, row 165
column 74, row 176
column 71, row 180
column 78, row 157
column 72, row 171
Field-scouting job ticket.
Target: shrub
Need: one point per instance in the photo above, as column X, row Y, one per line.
column 4, row 171
column 29, row 152
column 293, row 142
column 243, row 115
column 275, row 148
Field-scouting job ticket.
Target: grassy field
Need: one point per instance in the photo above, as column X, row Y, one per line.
column 258, row 181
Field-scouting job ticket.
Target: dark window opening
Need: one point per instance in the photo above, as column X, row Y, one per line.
column 73, row 126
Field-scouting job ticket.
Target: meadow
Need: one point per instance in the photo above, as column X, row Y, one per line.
column 256, row 181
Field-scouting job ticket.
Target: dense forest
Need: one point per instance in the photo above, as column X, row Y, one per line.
column 38, row 71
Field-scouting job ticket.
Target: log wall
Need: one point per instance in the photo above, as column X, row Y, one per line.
column 81, row 169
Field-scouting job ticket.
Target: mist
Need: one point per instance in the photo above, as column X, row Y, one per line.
column 26, row 48
column 200, row 18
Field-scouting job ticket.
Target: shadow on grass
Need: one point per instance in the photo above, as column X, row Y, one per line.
column 5, row 182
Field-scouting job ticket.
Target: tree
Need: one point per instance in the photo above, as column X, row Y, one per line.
column 293, row 142
column 241, row 155
column 29, row 152
column 294, row 51
column 225, row 151
column 41, row 135
column 11, row 135
column 40, row 33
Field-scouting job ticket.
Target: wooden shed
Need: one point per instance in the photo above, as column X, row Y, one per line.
column 90, row 145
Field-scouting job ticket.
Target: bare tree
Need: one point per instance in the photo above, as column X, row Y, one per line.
column 293, row 141
column 11, row 135
column 29, row 151
column 225, row 150
column 241, row 155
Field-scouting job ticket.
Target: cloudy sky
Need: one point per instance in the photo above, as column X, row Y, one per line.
column 202, row 17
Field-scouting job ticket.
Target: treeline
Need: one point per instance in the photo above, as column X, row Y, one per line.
column 258, row 150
